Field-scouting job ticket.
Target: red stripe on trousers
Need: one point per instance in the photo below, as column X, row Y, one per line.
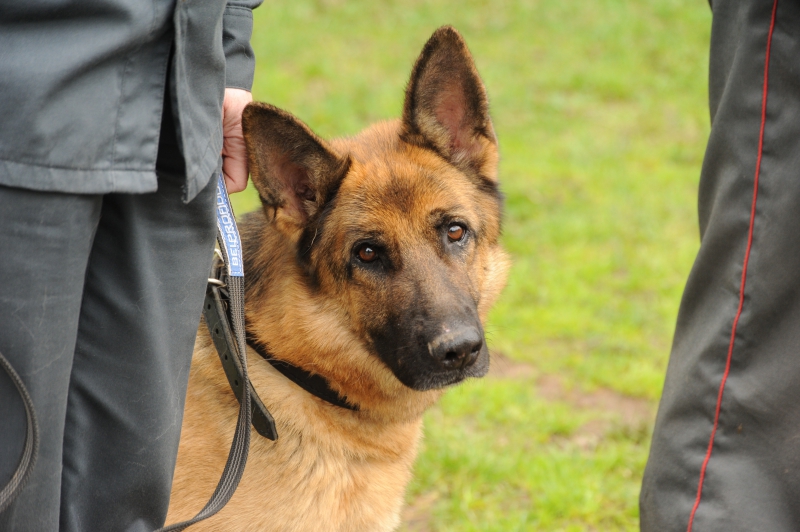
column 744, row 274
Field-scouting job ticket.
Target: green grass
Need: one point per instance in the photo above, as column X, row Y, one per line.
column 600, row 108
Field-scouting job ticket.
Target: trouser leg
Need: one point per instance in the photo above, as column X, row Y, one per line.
column 729, row 410
column 141, row 308
column 45, row 241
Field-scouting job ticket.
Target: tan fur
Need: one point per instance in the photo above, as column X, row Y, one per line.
column 334, row 469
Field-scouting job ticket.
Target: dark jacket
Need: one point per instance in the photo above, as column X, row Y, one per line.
column 82, row 84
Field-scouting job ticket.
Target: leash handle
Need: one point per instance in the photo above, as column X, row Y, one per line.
column 231, row 248
column 31, row 447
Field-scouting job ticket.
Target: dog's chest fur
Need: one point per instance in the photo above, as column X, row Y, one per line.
column 322, row 474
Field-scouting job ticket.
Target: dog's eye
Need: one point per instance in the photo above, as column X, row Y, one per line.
column 366, row 253
column 456, row 232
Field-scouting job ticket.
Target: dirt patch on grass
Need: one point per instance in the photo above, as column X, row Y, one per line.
column 616, row 411
column 633, row 411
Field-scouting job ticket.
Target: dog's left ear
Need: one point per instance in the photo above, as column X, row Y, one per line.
column 446, row 107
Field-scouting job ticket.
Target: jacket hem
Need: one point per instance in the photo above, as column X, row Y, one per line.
column 76, row 181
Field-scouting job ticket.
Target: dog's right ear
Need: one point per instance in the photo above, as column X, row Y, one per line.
column 294, row 171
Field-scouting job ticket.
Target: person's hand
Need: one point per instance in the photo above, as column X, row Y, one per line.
column 234, row 156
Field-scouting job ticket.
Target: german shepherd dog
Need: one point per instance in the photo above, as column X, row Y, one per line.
column 373, row 264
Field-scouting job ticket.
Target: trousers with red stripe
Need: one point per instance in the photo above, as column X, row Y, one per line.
column 725, row 453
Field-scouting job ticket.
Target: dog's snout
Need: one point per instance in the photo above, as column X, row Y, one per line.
column 457, row 349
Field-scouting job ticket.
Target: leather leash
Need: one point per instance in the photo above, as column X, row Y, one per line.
column 31, row 446
column 219, row 328
column 217, row 319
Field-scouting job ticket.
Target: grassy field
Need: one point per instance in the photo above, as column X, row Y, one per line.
column 600, row 108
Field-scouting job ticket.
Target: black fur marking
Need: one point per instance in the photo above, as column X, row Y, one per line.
column 333, row 189
column 490, row 187
column 313, row 232
column 400, row 193
column 254, row 270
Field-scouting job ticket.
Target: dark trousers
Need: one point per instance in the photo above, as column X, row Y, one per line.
column 725, row 454
column 100, row 299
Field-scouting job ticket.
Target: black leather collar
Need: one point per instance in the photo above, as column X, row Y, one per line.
column 310, row 382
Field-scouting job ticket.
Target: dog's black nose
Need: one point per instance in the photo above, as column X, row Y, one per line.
column 457, row 349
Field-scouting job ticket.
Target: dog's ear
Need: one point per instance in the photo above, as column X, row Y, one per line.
column 446, row 107
column 294, row 171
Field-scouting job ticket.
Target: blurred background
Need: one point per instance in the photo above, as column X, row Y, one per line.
column 601, row 112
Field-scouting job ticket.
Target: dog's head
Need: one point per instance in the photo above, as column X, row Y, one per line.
column 399, row 225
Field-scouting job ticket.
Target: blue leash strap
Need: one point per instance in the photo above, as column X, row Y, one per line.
column 228, row 232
